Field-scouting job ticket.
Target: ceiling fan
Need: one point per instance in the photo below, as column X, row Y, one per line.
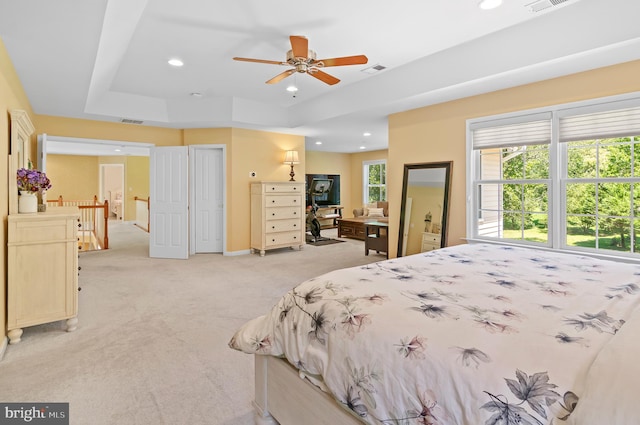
column 302, row 59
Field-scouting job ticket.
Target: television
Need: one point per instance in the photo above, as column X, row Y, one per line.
column 325, row 189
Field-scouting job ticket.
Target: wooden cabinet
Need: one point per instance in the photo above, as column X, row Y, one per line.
column 277, row 215
column 351, row 229
column 430, row 241
column 376, row 237
column 42, row 269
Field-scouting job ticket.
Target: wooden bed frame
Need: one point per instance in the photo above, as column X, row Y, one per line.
column 282, row 397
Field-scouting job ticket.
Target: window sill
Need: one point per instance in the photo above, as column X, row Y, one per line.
column 600, row 256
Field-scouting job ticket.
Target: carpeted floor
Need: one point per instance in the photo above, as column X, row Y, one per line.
column 151, row 344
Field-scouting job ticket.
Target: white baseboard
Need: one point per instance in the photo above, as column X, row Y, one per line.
column 234, row 253
column 3, row 347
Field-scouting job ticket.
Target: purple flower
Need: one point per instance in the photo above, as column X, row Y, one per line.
column 32, row 180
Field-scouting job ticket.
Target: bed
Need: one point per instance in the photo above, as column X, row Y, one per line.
column 115, row 203
column 468, row 335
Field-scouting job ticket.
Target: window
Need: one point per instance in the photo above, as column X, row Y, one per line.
column 567, row 177
column 374, row 181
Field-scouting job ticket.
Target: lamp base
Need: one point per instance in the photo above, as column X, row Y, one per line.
column 292, row 174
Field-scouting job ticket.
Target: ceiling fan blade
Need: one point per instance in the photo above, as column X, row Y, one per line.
column 260, row 61
column 346, row 60
column 281, row 76
column 299, row 45
column 323, row 76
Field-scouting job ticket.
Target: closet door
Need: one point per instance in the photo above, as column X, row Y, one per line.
column 208, row 199
column 169, row 206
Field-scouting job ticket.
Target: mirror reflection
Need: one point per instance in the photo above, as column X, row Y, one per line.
column 424, row 208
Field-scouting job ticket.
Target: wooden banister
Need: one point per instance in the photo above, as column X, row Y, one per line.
column 94, row 230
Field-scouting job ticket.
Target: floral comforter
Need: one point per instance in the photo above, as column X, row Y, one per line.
column 468, row 335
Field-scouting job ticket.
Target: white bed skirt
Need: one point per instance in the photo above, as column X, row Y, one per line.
column 291, row 400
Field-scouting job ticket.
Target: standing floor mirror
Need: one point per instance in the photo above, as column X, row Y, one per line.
column 424, row 207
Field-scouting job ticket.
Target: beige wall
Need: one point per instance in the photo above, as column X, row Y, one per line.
column 248, row 150
column 334, row 163
column 136, row 183
column 12, row 96
column 438, row 133
column 63, row 171
column 262, row 152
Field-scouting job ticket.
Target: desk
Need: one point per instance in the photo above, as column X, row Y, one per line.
column 328, row 216
column 376, row 237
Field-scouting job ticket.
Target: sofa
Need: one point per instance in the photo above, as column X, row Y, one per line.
column 354, row 227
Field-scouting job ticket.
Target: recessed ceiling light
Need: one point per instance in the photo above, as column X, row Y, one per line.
column 366, row 134
column 318, row 142
column 292, row 89
column 196, row 94
column 175, row 62
column 117, row 150
column 363, row 147
column 489, row 4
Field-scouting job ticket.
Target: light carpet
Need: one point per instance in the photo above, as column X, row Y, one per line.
column 151, row 344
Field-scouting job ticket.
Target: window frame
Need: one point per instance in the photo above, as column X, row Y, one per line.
column 365, row 179
column 558, row 156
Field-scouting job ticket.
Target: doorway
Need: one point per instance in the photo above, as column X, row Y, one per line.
column 112, row 189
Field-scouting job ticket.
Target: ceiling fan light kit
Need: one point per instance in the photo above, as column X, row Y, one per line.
column 303, row 60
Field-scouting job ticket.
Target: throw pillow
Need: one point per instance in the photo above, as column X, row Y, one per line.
column 376, row 212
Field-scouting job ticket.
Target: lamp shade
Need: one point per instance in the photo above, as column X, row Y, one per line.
column 291, row 157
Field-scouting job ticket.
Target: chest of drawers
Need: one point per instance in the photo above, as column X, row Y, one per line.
column 42, row 269
column 430, row 241
column 277, row 215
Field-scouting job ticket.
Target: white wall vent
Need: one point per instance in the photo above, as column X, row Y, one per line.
column 130, row 121
column 539, row 5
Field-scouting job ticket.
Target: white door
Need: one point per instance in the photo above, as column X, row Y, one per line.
column 169, row 206
column 208, row 199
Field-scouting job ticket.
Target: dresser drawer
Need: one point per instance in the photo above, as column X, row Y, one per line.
column 41, row 231
column 283, row 238
column 283, row 212
column 429, row 247
column 283, row 201
column 282, row 225
column 281, row 188
column 431, row 239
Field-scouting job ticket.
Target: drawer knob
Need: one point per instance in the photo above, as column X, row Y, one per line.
column 295, row 212
column 273, row 240
column 273, row 214
column 273, row 201
column 295, row 225
column 273, row 227
column 295, row 237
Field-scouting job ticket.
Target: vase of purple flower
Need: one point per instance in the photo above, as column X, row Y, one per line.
column 30, row 184
column 27, row 202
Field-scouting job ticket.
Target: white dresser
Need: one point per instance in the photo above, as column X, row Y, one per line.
column 430, row 241
column 42, row 269
column 277, row 215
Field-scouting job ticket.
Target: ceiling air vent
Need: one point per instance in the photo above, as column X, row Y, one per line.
column 539, row 5
column 373, row 69
column 130, row 121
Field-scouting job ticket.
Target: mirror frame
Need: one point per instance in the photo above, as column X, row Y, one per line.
column 19, row 151
column 447, row 165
